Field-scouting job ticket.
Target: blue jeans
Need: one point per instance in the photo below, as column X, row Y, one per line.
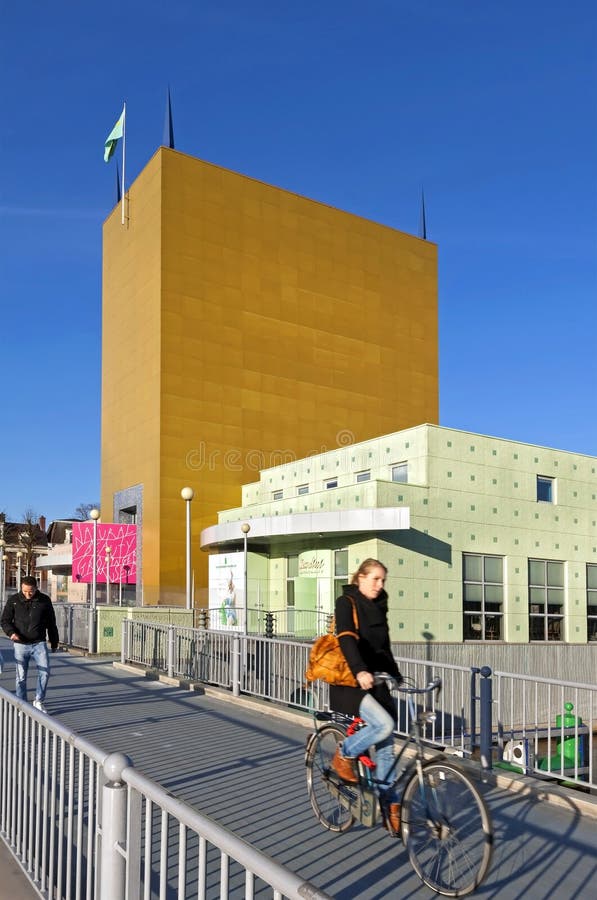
column 379, row 732
column 25, row 652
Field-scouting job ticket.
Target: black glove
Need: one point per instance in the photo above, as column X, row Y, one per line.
column 54, row 648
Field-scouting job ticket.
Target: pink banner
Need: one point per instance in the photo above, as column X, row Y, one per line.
column 121, row 560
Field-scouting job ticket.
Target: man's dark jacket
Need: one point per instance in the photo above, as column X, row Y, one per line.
column 30, row 619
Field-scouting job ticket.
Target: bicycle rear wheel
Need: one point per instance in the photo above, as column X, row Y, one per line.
column 447, row 829
column 324, row 793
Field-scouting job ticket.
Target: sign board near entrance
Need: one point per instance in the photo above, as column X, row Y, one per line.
column 315, row 564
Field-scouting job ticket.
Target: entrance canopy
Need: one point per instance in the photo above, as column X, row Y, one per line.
column 301, row 528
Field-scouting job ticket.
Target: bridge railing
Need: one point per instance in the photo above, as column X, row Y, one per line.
column 274, row 669
column 546, row 727
column 517, row 721
column 87, row 825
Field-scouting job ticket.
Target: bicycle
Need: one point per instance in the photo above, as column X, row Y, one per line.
column 445, row 825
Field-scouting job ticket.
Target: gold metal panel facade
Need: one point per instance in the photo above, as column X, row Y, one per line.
column 275, row 327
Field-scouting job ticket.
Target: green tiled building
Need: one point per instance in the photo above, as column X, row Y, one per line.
column 485, row 539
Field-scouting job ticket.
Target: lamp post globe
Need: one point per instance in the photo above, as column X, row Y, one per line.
column 187, row 493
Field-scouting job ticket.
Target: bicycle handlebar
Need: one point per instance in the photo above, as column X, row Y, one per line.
column 407, row 686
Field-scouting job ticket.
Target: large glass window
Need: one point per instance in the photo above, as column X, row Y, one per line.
column 483, row 596
column 546, row 600
column 592, row 602
column 364, row 476
column 340, row 571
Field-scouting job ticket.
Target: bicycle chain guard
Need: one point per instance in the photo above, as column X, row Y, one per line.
column 361, row 801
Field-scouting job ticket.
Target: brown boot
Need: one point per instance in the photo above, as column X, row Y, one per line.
column 344, row 766
column 392, row 822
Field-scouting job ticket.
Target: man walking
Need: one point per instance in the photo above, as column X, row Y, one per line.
column 27, row 617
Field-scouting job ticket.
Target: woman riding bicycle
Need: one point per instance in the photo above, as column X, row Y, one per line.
column 367, row 652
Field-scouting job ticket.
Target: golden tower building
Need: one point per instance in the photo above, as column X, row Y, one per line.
column 245, row 326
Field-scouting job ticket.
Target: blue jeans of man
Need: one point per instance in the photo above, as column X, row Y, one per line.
column 378, row 731
column 39, row 653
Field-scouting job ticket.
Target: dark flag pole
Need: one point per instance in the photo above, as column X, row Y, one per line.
column 423, row 222
column 118, row 190
column 168, row 139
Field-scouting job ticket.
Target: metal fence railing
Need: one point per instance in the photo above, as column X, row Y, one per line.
column 274, row 669
column 86, row 825
column 547, row 727
column 478, row 713
column 72, row 620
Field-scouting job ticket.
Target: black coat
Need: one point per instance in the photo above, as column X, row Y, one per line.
column 371, row 652
column 30, row 619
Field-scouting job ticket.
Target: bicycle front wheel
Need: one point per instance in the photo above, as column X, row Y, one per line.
column 447, row 829
column 325, row 793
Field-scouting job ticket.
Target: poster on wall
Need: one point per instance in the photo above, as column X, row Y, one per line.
column 226, row 591
column 116, row 553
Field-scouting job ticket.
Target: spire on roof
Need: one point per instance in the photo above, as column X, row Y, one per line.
column 168, row 138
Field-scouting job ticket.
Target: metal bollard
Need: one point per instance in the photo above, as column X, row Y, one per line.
column 485, row 739
column 112, row 855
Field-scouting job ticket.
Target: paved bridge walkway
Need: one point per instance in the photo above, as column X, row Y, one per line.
column 241, row 762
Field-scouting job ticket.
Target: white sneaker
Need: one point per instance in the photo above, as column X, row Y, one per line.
column 38, row 704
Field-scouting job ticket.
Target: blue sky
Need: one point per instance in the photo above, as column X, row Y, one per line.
column 491, row 107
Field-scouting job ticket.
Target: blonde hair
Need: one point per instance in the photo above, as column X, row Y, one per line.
column 366, row 567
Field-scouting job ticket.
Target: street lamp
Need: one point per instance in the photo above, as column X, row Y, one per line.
column 187, row 495
column 94, row 514
column 19, row 558
column 245, row 528
column 108, row 552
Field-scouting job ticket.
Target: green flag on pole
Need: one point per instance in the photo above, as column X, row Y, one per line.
column 113, row 138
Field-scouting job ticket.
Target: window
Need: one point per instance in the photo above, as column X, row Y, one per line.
column 400, row 472
column 591, row 602
column 341, row 571
column 546, row 600
column 277, row 495
column 483, row 596
column 303, row 489
column 128, row 516
column 545, row 489
column 331, row 483
column 363, row 476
